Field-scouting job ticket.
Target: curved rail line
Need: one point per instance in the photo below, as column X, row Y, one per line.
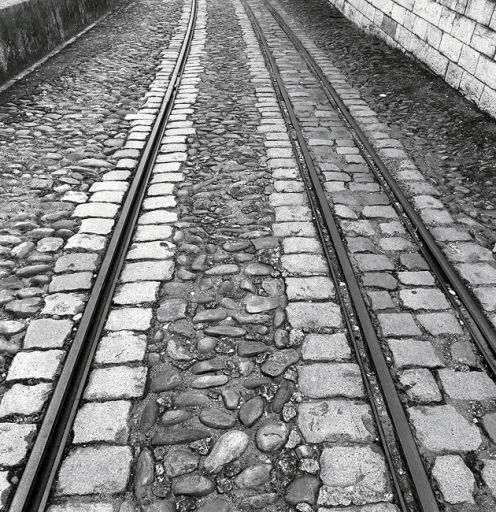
column 423, row 494
column 36, row 482
column 481, row 329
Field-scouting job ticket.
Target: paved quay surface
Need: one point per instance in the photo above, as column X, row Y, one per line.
column 225, row 379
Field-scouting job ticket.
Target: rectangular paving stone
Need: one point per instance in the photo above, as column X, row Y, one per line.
column 420, row 385
column 299, row 244
column 410, row 352
column 423, row 298
column 421, row 278
column 95, row 470
column 47, row 333
column 138, row 292
column 309, row 288
column 373, row 262
column 75, row 262
column 116, row 382
column 325, row 347
column 24, row 400
column 353, row 475
column 478, row 273
column 129, row 319
column 35, row 365
column 152, row 232
column 150, row 251
column 106, row 422
column 440, row 323
column 398, row 324
column 148, row 271
column 467, row 385
column 106, row 210
column 96, row 226
column 157, row 217
column 86, row 242
column 335, row 421
column 121, row 347
column 290, row 229
column 71, row 282
column 304, row 264
column 328, row 380
column 14, row 442
column 313, row 316
column 292, row 213
column 287, row 199
column 72, row 506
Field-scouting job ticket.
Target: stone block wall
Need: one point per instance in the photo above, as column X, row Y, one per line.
column 30, row 29
column 455, row 38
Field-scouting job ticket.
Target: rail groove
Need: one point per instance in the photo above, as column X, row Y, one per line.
column 37, row 479
column 424, row 496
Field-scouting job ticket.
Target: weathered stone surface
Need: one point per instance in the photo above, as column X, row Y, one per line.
column 25, row 400
column 14, row 442
column 228, row 447
column 217, row 418
column 254, row 476
column 35, row 365
column 129, row 319
column 215, row 505
column 279, row 361
column 271, row 436
column 174, row 417
column 489, row 475
column 398, row 324
column 304, row 264
column 148, row 271
column 455, row 480
column 352, row 474
column 467, row 385
column 63, row 304
column 121, row 347
column 93, row 470
column 325, row 347
column 335, row 421
column 420, row 385
column 309, row 288
column 192, row 485
column 180, row 460
column 410, row 352
column 70, row 282
column 303, row 489
column 179, row 436
column 116, row 382
column 136, row 293
column 326, row 380
column 171, row 310
column 442, row 428
column 225, row 330
column 165, row 379
column 313, row 316
column 47, row 333
column 251, row 348
column 251, row 411
column 258, row 304
column 76, row 262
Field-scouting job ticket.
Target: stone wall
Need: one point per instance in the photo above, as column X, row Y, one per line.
column 30, row 29
column 455, row 38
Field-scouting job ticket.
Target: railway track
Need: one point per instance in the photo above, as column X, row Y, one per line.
column 409, row 471
column 43, row 463
column 483, row 333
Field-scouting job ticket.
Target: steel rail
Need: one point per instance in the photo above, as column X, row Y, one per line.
column 422, row 490
column 37, row 479
column 481, row 329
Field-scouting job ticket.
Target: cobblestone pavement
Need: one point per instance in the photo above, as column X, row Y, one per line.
column 225, row 379
column 451, row 141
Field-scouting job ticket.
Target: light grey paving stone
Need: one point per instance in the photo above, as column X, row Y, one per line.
column 440, row 323
column 335, row 421
column 325, row 347
column 86, row 242
column 76, row 262
column 153, row 232
column 310, row 316
column 467, row 252
column 292, row 213
column 161, row 189
column 410, row 352
column 436, row 217
column 287, row 199
column 35, row 365
column 445, row 234
column 420, row 385
column 121, row 347
column 73, row 506
column 63, row 304
column 489, row 475
column 105, row 210
column 148, row 271
column 309, row 288
column 94, row 470
column 467, row 385
column 24, row 400
column 116, row 382
column 352, row 475
column 379, row 211
column 398, row 324
column 71, row 282
column 487, row 297
column 290, row 229
column 423, row 298
column 157, row 217
column 159, row 202
column 328, row 380
column 105, row 421
column 380, row 300
column 420, row 278
column 373, row 262
column 108, row 196
column 14, row 442
column 395, row 243
column 304, row 264
column 47, row 333
column 5, row 488
column 441, row 428
column 455, row 480
column 100, row 186
column 129, row 319
column 49, row 244
column 427, row 202
column 478, row 273
column 96, row 226
column 136, row 293
column 150, row 251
